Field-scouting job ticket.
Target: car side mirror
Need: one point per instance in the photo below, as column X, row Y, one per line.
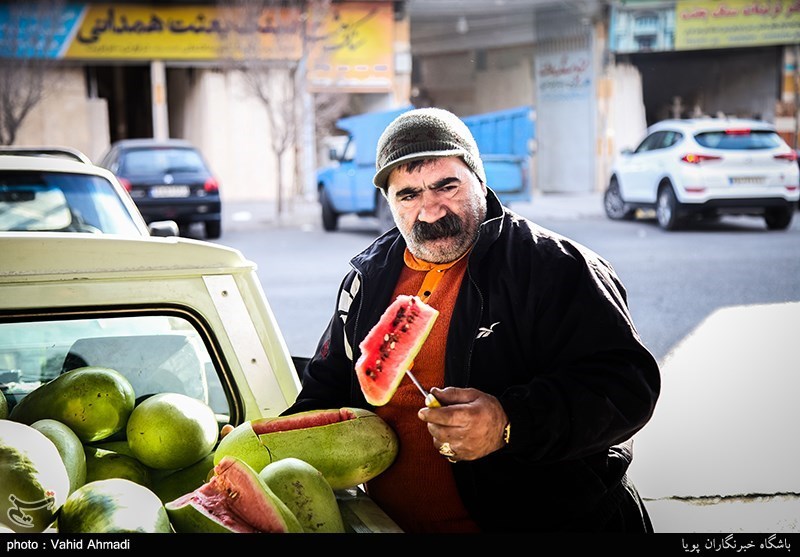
column 163, row 228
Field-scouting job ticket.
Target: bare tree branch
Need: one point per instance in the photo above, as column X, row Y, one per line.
column 330, row 107
column 269, row 42
column 26, row 42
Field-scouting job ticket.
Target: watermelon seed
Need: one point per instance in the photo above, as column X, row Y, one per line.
column 401, row 313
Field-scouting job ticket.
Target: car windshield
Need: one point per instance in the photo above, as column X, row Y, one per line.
column 53, row 201
column 156, row 353
column 739, row 139
column 160, row 161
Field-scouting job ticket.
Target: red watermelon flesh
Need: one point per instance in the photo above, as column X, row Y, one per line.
column 233, row 500
column 389, row 349
column 305, row 420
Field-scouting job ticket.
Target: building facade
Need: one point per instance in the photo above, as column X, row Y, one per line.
column 123, row 70
column 596, row 72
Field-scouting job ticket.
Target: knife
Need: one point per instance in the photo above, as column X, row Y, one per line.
column 430, row 400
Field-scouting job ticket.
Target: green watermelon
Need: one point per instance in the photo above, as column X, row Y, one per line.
column 3, row 406
column 94, row 402
column 388, row 351
column 102, row 464
column 306, row 493
column 349, row 446
column 34, row 481
column 69, row 447
column 113, row 506
column 170, row 431
column 180, row 482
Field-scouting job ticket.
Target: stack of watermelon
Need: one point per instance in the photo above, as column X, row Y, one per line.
column 79, row 455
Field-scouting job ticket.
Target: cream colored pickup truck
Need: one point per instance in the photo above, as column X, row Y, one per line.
column 171, row 314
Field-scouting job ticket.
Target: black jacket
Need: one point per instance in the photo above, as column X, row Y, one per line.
column 542, row 324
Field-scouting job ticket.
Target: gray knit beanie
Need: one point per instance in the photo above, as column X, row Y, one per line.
column 425, row 133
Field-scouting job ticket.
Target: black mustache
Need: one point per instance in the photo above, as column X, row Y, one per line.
column 448, row 225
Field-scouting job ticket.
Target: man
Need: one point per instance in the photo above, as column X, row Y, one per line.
column 544, row 376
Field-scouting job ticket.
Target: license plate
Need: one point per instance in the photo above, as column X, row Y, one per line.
column 169, row 191
column 746, row 180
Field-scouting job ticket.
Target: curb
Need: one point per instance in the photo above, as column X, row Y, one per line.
column 253, row 214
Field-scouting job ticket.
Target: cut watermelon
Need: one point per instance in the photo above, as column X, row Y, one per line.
column 388, row 351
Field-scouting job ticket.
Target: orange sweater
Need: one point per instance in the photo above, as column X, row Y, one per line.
column 418, row 491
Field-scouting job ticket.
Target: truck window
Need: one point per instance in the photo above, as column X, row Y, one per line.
column 156, row 353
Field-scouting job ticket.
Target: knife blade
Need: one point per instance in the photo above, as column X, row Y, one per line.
column 430, row 400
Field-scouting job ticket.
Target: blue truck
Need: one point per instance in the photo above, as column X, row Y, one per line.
column 505, row 139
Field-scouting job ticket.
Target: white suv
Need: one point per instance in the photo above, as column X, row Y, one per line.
column 704, row 168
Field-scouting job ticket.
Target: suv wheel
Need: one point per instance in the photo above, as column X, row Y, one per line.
column 213, row 229
column 615, row 206
column 778, row 218
column 667, row 208
column 330, row 220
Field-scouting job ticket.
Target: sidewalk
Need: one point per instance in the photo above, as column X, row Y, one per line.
column 251, row 214
column 304, row 212
column 720, row 453
column 562, row 206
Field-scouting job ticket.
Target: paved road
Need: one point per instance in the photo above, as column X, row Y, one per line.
column 716, row 458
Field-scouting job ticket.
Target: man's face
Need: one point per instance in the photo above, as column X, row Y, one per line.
column 438, row 207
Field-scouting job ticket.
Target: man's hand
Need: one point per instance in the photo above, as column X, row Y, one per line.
column 470, row 420
column 226, row 429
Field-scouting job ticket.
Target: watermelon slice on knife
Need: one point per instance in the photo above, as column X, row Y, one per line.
column 388, row 351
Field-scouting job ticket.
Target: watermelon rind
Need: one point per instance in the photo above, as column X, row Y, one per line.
column 34, row 481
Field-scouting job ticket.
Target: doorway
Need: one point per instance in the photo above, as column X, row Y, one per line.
column 127, row 91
